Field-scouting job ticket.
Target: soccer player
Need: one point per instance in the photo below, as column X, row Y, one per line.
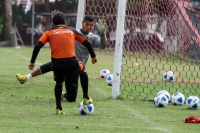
column 71, row 81
column 63, row 57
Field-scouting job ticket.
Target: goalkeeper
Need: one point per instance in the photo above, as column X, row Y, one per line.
column 82, row 54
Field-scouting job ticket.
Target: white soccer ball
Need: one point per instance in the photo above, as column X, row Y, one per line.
column 109, row 79
column 85, row 109
column 166, row 93
column 178, row 98
column 104, row 73
column 160, row 100
column 192, row 102
column 169, row 76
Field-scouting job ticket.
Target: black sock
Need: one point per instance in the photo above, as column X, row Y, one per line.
column 58, row 92
column 84, row 84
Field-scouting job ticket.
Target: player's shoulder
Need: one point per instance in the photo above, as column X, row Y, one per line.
column 63, row 27
column 71, row 28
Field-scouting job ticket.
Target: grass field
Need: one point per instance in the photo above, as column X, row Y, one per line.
column 30, row 108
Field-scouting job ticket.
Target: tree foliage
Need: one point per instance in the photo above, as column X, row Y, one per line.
column 19, row 17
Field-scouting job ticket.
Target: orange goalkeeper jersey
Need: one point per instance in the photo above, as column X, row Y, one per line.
column 62, row 42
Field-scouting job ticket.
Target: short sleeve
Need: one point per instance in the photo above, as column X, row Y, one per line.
column 44, row 39
column 95, row 41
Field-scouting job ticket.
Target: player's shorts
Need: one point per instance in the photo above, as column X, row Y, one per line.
column 46, row 68
column 66, row 66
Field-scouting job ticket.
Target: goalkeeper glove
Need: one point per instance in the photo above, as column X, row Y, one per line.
column 101, row 26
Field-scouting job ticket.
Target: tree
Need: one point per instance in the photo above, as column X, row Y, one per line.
column 7, row 17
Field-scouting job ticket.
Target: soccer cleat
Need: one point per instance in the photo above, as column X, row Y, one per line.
column 22, row 79
column 59, row 112
column 87, row 101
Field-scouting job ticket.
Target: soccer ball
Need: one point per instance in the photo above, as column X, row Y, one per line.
column 178, row 98
column 166, row 93
column 160, row 100
column 192, row 102
column 109, row 79
column 169, row 76
column 104, row 73
column 85, row 109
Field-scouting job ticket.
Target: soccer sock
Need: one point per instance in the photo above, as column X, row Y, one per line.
column 58, row 92
column 84, row 84
column 29, row 76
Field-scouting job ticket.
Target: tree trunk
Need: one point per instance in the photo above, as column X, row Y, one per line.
column 7, row 19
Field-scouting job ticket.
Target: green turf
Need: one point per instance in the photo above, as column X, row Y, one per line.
column 30, row 108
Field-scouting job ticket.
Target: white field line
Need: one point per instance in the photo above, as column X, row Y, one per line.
column 22, row 56
column 138, row 115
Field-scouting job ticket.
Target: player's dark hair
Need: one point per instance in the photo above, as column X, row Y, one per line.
column 88, row 18
column 59, row 18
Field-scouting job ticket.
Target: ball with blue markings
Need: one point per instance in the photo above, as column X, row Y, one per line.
column 160, row 100
column 178, row 98
column 85, row 109
column 169, row 76
column 104, row 73
column 192, row 102
column 166, row 93
column 109, row 79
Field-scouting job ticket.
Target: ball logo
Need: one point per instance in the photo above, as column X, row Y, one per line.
column 157, row 100
column 195, row 100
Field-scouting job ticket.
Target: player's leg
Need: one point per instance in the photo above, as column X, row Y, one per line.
column 60, row 75
column 84, row 84
column 60, row 71
column 39, row 71
column 71, row 85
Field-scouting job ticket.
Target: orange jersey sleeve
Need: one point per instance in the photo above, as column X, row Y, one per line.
column 79, row 38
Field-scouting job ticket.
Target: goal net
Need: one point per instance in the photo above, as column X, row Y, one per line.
column 158, row 36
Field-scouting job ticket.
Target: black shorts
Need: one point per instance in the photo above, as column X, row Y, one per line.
column 46, row 68
column 66, row 66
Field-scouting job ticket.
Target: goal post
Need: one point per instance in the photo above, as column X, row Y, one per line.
column 80, row 14
column 117, row 34
column 146, row 38
column 118, row 48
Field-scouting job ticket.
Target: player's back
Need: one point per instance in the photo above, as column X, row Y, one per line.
column 61, row 41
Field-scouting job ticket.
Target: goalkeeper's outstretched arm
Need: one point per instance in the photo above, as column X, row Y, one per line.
column 103, row 40
column 101, row 28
